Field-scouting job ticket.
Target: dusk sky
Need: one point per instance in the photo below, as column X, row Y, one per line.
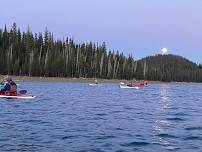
column 140, row 27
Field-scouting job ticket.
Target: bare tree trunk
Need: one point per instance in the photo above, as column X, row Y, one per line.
column 109, row 67
column 135, row 67
column 31, row 58
column 40, row 55
column 114, row 68
column 124, row 65
column 77, row 59
column 101, row 63
column 145, row 70
column 117, row 68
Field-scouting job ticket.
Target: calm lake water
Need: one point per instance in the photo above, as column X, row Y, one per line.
column 78, row 117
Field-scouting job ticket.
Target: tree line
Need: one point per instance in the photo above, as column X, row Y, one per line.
column 25, row 53
column 28, row 54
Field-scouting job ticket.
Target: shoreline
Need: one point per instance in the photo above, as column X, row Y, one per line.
column 65, row 79
column 86, row 80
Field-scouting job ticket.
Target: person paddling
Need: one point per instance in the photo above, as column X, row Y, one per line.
column 9, row 86
column 96, row 82
column 130, row 84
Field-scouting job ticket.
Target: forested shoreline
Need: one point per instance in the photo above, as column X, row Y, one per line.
column 39, row 54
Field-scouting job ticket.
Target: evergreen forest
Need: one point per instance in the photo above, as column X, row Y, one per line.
column 24, row 53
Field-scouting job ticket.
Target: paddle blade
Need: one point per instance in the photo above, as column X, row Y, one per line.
column 23, row 91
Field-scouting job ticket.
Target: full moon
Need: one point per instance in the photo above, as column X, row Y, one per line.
column 164, row 50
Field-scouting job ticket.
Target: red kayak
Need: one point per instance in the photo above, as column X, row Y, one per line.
column 142, row 85
column 16, row 96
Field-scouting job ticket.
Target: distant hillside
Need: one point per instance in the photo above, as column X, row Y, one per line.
column 168, row 68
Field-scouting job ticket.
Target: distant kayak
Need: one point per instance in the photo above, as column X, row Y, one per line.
column 16, row 96
column 93, row 84
column 133, row 86
column 128, row 87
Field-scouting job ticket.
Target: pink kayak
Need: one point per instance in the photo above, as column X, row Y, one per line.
column 16, row 96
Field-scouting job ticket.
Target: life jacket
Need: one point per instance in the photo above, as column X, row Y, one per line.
column 13, row 87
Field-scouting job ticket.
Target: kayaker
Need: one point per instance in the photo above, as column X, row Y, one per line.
column 145, row 83
column 9, row 86
column 96, row 82
column 13, row 86
column 130, row 84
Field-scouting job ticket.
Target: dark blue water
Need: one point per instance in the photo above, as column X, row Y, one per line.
column 78, row 117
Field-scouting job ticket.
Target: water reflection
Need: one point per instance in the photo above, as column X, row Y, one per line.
column 164, row 96
column 160, row 126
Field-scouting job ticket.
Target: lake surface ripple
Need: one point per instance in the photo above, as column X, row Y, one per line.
column 77, row 117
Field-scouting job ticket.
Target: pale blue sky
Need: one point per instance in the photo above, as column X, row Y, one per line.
column 140, row 27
